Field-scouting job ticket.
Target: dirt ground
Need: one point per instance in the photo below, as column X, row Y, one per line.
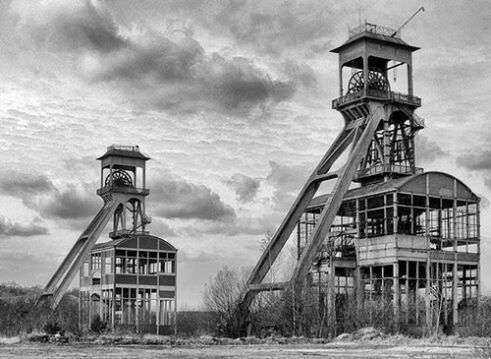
column 333, row 350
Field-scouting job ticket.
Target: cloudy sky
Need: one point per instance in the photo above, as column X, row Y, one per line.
column 230, row 99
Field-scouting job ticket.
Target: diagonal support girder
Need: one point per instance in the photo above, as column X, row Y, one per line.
column 359, row 134
column 66, row 272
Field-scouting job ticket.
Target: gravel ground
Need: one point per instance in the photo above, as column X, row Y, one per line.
column 333, row 350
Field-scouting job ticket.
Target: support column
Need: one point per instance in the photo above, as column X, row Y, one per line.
column 478, row 270
column 397, row 299
column 427, row 288
column 371, row 295
column 331, row 297
column 416, row 299
column 409, row 79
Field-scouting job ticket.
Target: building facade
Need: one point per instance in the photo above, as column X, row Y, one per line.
column 130, row 283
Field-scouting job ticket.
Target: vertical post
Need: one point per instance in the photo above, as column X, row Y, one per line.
column 478, row 270
column 137, row 299
column 113, row 308
column 397, row 293
column 157, row 294
column 174, row 267
column 428, row 286
column 358, row 290
column 407, row 292
column 340, row 80
column 444, row 299
column 331, row 296
column 111, row 174
column 395, row 212
column 371, row 294
column 365, row 72
column 428, row 260
column 416, row 301
column 410, row 78
column 80, row 308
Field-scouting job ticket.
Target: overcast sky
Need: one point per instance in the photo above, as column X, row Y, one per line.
column 230, row 99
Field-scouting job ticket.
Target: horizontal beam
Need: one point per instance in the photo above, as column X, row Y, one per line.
column 263, row 287
column 324, row 177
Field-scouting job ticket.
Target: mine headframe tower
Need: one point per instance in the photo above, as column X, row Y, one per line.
column 379, row 129
column 123, row 190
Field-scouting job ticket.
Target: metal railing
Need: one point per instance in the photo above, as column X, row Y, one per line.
column 383, row 168
column 373, row 29
column 121, row 189
column 377, row 94
column 124, row 148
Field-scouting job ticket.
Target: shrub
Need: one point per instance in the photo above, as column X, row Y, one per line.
column 97, row 325
column 52, row 327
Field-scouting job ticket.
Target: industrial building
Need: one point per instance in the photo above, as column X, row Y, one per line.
column 129, row 282
column 389, row 234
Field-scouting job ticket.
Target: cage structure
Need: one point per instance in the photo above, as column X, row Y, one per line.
column 388, row 233
column 130, row 283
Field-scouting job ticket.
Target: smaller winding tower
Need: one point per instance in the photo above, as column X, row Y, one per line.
column 129, row 281
column 123, row 177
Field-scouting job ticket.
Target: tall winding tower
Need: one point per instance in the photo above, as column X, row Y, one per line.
column 388, row 233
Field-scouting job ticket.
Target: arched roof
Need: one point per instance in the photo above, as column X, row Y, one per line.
column 440, row 184
column 142, row 241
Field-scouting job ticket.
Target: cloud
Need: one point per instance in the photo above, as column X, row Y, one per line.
column 9, row 228
column 245, row 187
column 476, row 161
column 242, row 224
column 427, row 150
column 177, row 198
column 287, row 181
column 484, row 201
column 69, row 25
column 161, row 229
column 71, row 203
column 480, row 161
column 273, row 27
column 37, row 192
column 24, row 184
column 168, row 72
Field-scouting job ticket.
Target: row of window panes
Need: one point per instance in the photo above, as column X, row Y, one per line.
column 147, row 263
column 128, row 265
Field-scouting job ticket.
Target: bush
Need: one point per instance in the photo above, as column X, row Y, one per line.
column 52, row 327
column 97, row 325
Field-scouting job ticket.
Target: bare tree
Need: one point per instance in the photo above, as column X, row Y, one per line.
column 221, row 296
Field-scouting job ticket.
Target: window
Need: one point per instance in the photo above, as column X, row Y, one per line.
column 96, row 261
column 86, row 269
column 403, row 220
column 107, row 265
column 120, row 265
